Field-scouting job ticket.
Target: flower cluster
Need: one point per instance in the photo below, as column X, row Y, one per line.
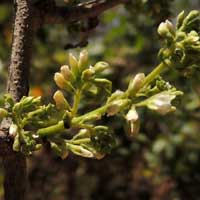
column 182, row 43
column 68, row 128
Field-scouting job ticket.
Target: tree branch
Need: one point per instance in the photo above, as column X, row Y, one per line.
column 15, row 163
column 57, row 15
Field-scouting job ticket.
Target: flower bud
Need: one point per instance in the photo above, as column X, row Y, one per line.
column 80, row 151
column 61, row 102
column 134, row 128
column 189, row 19
column 116, row 106
column 83, row 60
column 135, row 84
column 118, row 94
column 162, row 29
column 62, row 83
column 3, row 113
column 133, row 120
column 65, row 71
column 180, row 19
column 88, row 74
column 132, row 115
column 166, row 29
column 73, row 64
column 192, row 38
column 170, row 27
column 100, row 66
column 13, row 130
column 60, row 80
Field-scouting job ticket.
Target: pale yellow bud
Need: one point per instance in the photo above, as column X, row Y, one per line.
column 170, row 26
column 83, row 60
column 61, row 102
column 65, row 71
column 60, row 80
column 62, row 83
column 135, row 84
column 100, row 66
column 73, row 64
column 166, row 29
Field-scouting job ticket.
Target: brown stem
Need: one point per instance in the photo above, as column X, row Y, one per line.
column 57, row 15
column 18, row 86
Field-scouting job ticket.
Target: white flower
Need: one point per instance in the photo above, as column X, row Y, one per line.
column 132, row 115
column 133, row 120
column 161, row 102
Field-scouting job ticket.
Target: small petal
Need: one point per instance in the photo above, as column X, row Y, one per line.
column 132, row 115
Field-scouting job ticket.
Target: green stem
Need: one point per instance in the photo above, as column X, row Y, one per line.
column 150, row 77
column 52, row 130
column 77, row 98
column 58, row 128
column 98, row 111
column 81, row 141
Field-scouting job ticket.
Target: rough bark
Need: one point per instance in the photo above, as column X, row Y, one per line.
column 18, row 86
column 52, row 14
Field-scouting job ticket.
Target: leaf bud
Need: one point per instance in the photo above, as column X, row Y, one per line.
column 180, row 19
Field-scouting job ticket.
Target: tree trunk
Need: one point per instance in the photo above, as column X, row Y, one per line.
column 18, row 76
